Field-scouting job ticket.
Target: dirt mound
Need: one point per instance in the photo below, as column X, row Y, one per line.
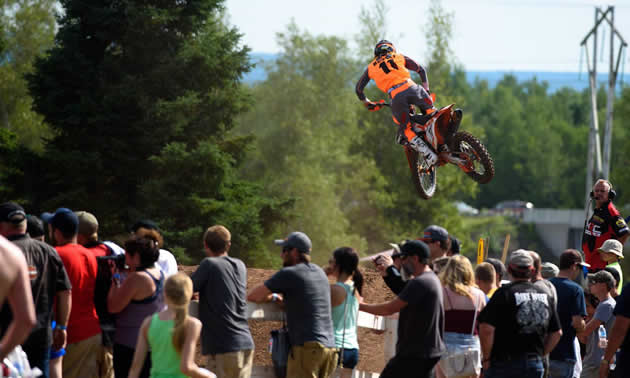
column 370, row 341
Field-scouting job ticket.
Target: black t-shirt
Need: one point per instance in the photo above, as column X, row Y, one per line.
column 522, row 315
column 48, row 276
column 421, row 322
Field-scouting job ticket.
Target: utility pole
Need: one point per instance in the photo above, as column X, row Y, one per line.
column 594, row 166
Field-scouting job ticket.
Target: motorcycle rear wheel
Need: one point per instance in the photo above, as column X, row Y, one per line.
column 425, row 180
column 482, row 165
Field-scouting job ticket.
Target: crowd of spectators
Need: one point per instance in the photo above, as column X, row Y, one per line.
column 95, row 309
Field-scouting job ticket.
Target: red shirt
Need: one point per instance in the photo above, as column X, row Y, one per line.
column 80, row 264
column 606, row 223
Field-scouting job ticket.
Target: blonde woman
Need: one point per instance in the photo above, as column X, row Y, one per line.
column 462, row 304
column 172, row 336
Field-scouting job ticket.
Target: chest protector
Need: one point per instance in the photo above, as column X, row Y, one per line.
column 388, row 70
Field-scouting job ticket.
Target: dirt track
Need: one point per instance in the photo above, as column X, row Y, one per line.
column 370, row 341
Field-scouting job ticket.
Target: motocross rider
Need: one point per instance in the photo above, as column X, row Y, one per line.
column 390, row 72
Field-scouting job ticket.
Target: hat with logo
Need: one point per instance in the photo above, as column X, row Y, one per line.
column 297, row 240
column 521, row 259
column 433, row 233
column 11, row 212
column 415, row 248
column 63, row 219
column 612, row 246
column 88, row 224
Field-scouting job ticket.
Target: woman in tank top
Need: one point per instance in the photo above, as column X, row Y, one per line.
column 461, row 300
column 344, row 294
column 137, row 297
column 172, row 336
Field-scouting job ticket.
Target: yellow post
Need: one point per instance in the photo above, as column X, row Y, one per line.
column 480, row 251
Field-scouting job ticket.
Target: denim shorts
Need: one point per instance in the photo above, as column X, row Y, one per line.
column 350, row 358
column 455, row 341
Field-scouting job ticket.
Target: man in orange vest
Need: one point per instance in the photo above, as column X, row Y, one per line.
column 390, row 72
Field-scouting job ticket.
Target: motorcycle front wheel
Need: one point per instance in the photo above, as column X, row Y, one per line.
column 423, row 177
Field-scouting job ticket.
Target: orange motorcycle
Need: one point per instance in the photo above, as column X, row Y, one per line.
column 440, row 130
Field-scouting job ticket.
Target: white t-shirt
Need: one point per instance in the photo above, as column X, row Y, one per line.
column 166, row 263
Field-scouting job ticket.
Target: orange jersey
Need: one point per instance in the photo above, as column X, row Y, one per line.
column 388, row 70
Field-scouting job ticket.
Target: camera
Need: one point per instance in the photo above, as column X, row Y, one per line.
column 119, row 260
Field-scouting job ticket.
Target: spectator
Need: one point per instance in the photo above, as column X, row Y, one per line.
column 571, row 311
column 306, row 295
column 611, row 252
column 499, row 269
column 601, row 284
column 440, row 263
column 171, row 334
column 437, row 239
column 14, row 288
column 343, row 266
column 84, row 352
column 518, row 325
column 549, row 270
column 139, row 296
column 48, row 282
column 421, row 322
column 619, row 337
column 606, row 223
column 166, row 261
column 88, row 237
column 486, row 278
column 462, row 302
column 221, row 281
column 35, row 227
column 455, row 246
column 615, row 273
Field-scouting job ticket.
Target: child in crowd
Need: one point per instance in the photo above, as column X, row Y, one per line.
column 172, row 335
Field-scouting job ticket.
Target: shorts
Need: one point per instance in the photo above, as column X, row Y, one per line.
column 311, row 360
column 232, row 364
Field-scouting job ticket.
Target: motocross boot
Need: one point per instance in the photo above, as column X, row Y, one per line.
column 419, row 145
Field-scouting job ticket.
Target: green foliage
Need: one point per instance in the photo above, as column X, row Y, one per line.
column 26, row 30
column 142, row 98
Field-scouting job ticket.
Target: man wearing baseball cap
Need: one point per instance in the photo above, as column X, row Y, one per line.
column 84, row 353
column 437, row 239
column 48, row 283
column 306, row 294
column 571, row 310
column 611, row 252
column 421, row 323
column 519, row 325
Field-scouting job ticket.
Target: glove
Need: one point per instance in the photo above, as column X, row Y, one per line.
column 374, row 106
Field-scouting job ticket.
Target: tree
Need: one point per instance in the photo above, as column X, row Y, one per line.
column 27, row 30
column 139, row 94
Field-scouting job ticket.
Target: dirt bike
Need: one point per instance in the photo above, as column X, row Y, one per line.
column 440, row 130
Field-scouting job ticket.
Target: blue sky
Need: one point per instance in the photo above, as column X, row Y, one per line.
column 512, row 35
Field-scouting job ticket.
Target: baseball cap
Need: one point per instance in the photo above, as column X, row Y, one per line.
column 297, row 240
column 434, row 232
column 417, row 248
column 63, row 219
column 11, row 212
column 612, row 246
column 521, row 259
column 602, row 277
column 549, row 270
column 88, row 225
column 144, row 223
column 34, row 226
column 499, row 268
column 572, row 256
column 614, row 272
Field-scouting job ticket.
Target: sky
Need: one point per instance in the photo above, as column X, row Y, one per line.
column 489, row 35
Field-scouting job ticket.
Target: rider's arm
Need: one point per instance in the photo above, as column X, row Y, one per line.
column 363, row 81
column 411, row 64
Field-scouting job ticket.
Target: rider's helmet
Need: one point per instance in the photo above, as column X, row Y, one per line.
column 384, row 47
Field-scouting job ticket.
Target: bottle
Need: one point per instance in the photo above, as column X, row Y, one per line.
column 603, row 342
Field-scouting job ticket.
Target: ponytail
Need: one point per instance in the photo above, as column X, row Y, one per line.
column 357, row 278
column 178, row 289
